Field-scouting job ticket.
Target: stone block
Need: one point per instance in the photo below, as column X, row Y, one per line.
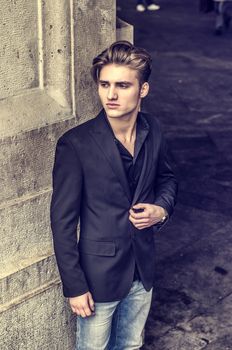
column 57, row 51
column 124, row 31
column 26, row 159
column 25, row 231
column 27, row 279
column 18, row 47
column 42, row 321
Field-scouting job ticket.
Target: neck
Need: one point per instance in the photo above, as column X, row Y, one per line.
column 124, row 128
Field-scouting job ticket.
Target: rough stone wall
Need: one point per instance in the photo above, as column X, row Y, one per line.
column 124, row 31
column 19, row 67
column 46, row 49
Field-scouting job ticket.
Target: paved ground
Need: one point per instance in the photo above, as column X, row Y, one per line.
column 191, row 93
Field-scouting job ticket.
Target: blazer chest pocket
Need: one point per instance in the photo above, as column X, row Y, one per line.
column 100, row 248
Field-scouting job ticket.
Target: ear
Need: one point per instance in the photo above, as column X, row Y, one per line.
column 144, row 90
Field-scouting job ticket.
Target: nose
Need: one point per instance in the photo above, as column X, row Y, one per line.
column 112, row 93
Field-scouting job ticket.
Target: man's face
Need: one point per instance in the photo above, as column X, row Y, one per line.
column 119, row 91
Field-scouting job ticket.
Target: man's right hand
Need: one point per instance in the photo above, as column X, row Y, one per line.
column 82, row 305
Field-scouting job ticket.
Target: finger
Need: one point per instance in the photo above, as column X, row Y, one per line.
column 143, row 224
column 141, row 221
column 77, row 312
column 91, row 303
column 139, row 215
column 136, row 224
column 131, row 219
column 141, row 227
column 140, row 206
column 86, row 308
column 82, row 312
column 87, row 311
column 73, row 309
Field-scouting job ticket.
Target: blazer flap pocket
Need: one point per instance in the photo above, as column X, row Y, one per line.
column 88, row 246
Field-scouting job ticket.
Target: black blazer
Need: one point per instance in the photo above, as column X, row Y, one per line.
column 89, row 183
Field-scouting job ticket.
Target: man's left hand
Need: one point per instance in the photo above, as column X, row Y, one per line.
column 146, row 215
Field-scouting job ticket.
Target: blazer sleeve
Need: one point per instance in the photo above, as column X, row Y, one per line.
column 65, row 211
column 165, row 183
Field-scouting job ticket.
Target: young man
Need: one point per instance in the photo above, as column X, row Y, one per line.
column 112, row 173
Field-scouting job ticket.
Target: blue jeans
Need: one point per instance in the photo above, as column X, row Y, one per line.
column 116, row 325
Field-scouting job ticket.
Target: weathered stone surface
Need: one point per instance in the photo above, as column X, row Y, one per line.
column 25, row 225
column 29, row 111
column 57, row 50
column 124, row 31
column 184, row 218
column 101, row 32
column 214, row 325
column 40, row 322
column 26, row 159
column 29, row 274
column 18, row 47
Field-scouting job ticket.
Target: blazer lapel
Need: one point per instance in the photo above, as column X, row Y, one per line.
column 104, row 138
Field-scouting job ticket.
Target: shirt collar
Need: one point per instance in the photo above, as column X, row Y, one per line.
column 142, row 129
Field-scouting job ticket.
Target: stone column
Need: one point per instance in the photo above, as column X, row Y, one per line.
column 46, row 49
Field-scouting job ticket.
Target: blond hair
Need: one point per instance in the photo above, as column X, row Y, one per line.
column 124, row 53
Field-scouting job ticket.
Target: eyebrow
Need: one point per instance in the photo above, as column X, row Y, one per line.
column 117, row 82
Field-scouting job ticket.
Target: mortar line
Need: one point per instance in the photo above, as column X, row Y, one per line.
column 26, row 296
column 24, row 198
column 14, row 267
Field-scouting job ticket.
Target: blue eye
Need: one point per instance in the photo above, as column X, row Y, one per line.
column 123, row 86
column 104, row 85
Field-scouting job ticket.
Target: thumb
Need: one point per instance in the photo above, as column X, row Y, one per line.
column 139, row 206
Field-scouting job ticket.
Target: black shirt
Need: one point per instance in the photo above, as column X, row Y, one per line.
column 133, row 164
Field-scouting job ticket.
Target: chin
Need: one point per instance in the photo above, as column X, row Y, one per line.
column 113, row 114
column 117, row 114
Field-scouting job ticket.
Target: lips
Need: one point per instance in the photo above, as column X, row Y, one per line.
column 112, row 105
